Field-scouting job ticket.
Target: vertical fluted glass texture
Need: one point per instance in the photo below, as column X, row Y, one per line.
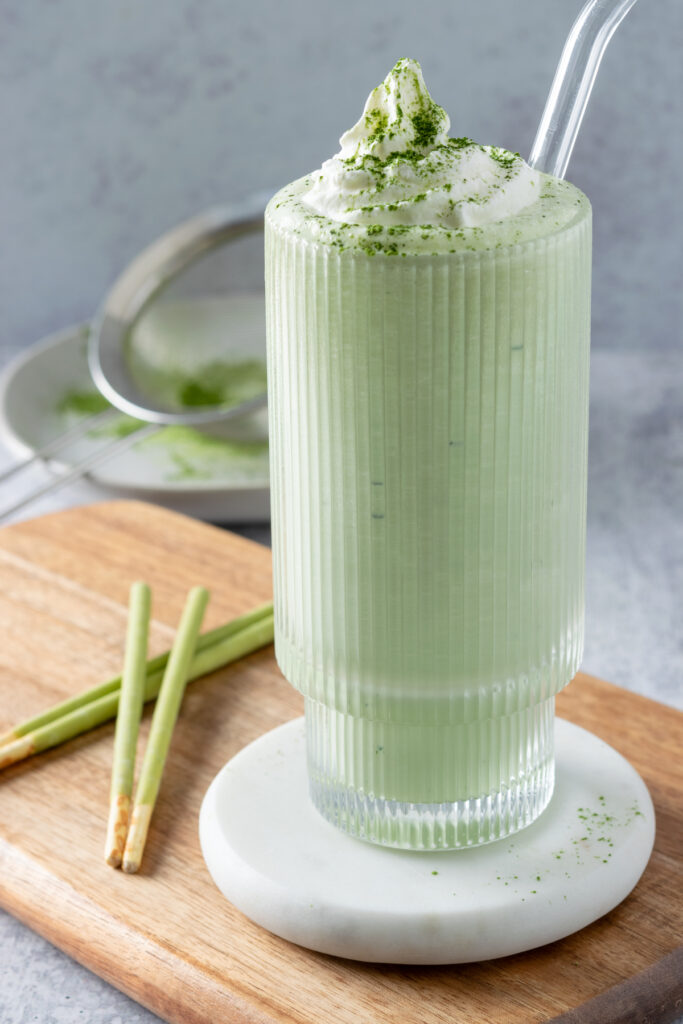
column 428, row 428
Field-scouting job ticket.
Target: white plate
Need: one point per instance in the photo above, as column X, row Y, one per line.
column 218, row 474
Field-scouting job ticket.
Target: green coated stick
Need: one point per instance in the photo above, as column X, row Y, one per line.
column 131, row 699
column 163, row 722
column 96, row 712
column 65, row 707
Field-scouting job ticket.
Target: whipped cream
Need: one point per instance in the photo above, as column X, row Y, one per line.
column 398, row 166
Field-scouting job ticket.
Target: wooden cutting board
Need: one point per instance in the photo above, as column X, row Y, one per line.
column 166, row 936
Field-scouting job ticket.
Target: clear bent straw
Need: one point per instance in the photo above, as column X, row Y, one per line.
column 573, row 82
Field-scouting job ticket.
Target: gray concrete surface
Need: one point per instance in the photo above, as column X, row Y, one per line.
column 117, row 123
column 634, row 629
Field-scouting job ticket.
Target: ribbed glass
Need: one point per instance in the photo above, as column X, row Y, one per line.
column 428, row 419
column 459, row 785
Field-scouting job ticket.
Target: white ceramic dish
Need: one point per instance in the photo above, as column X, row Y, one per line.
column 218, row 474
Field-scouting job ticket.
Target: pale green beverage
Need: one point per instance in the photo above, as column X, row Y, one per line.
column 428, row 383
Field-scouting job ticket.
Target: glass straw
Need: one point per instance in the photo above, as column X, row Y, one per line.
column 573, row 82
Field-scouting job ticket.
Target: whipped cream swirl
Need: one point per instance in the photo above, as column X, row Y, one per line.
column 398, row 166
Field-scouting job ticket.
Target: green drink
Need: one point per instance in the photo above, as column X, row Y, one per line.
column 428, row 380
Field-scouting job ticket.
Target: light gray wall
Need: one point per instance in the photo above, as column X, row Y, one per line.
column 120, row 118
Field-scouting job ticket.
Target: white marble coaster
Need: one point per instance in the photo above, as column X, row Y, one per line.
column 276, row 859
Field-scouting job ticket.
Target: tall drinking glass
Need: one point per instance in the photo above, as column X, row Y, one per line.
column 428, row 418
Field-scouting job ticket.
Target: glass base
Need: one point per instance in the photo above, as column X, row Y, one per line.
column 431, row 787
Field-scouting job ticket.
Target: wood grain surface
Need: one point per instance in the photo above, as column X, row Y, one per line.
column 166, row 936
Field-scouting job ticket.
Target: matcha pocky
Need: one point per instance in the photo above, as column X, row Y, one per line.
column 428, row 331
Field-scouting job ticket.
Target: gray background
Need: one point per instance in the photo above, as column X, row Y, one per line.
column 121, row 118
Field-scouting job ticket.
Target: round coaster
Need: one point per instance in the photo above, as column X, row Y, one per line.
column 279, row 862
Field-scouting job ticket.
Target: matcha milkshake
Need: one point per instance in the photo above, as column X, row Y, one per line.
column 428, row 333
